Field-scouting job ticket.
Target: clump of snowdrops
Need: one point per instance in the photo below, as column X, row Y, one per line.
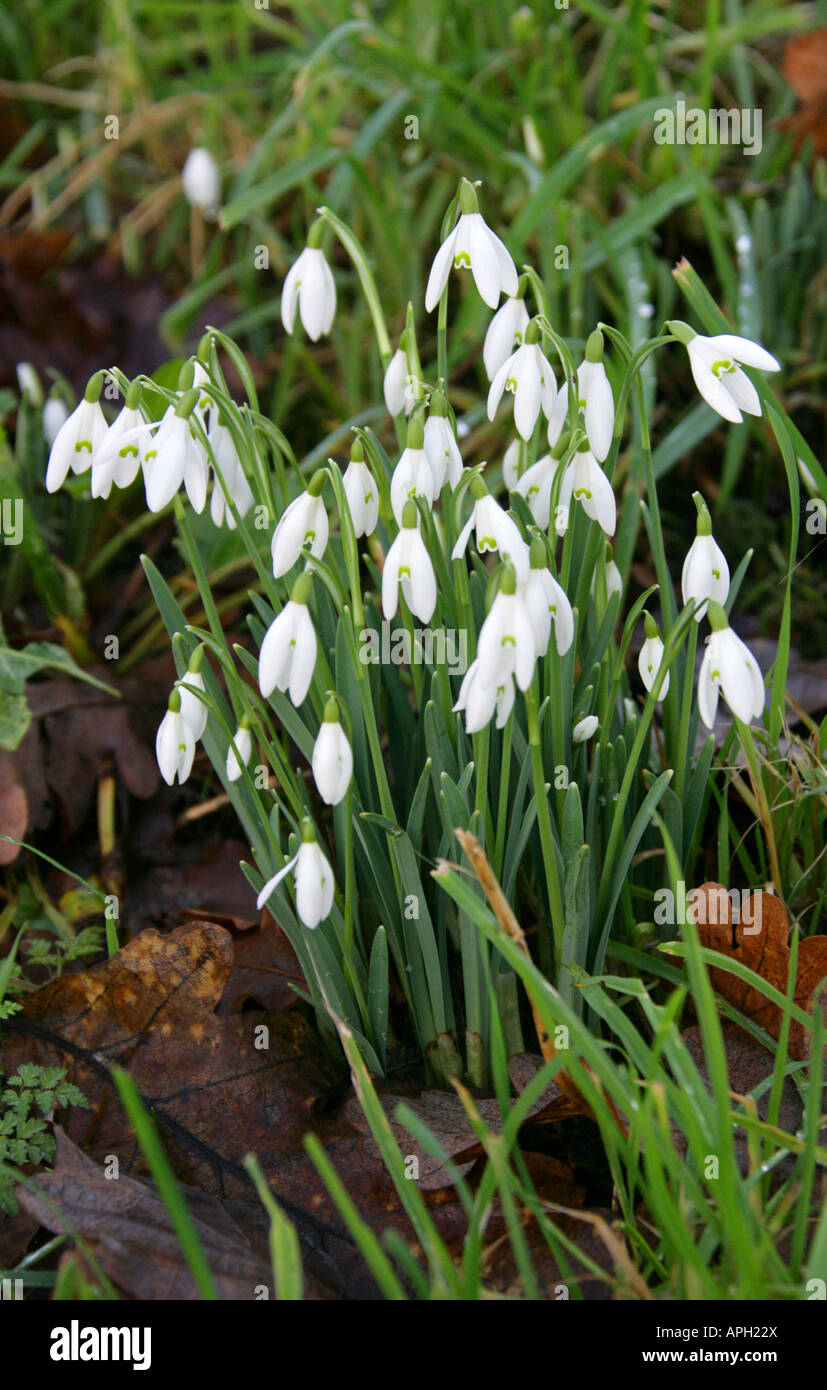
column 445, row 646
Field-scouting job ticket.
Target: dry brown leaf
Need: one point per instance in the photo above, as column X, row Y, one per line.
column 759, row 940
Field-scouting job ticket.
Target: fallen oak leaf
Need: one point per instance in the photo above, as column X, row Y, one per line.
column 760, row 940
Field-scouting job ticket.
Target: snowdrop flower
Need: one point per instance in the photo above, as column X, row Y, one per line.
column 397, row 385
column 528, row 373
column 728, row 668
column 412, row 476
column 440, row 445
column 610, row 574
column 314, row 880
column 650, row 658
column 302, row 525
column 309, row 287
column 506, row 645
column 240, row 750
column 288, row 652
column 176, row 457
column 479, row 702
column 495, row 530
column 537, row 483
column 121, row 453
column 714, row 362
column 408, row 565
column 332, row 760
column 705, row 573
column 472, row 246
column 232, row 471
column 201, row 181
column 78, row 439
column 361, row 492
column 595, row 398
column 54, row 415
column 174, row 743
column 511, row 464
column 29, row 383
column 585, row 480
column 584, row 729
column 193, row 710
column 546, row 603
column 505, row 333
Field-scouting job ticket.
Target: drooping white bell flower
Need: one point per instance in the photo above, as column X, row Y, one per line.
column 361, row 492
column 585, row 481
column 584, row 729
column 118, row 460
column 55, row 414
column 440, row 445
column 479, row 702
column 536, row 486
column 314, row 881
column 650, row 658
column 595, row 397
column 546, row 603
column 29, row 383
column 495, row 530
column 606, row 571
column 332, row 760
column 201, row 181
column 302, row 526
column 232, row 471
column 240, row 751
column 728, row 668
column 176, row 457
column 309, row 287
column 705, row 573
column 408, row 566
column 193, row 710
column 506, row 645
column 529, row 374
column 174, row 743
column 511, row 464
column 288, row 653
column 472, row 245
column 397, row 385
column 714, row 363
column 412, row 476
column 505, row 334
column 79, row 437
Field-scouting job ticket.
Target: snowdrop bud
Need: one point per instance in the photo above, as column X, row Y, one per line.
column 78, row 438
column 201, row 181
column 440, row 445
column 730, row 668
column 332, row 760
column 309, row 287
column 288, row 652
column 240, row 750
column 29, row 383
column 193, row 710
column 408, row 566
column 584, row 729
column 650, row 658
column 505, row 334
column 303, row 524
column 705, row 573
column 412, row 476
column 714, row 363
column 546, row 603
column 511, row 465
column 595, row 397
column 611, row 575
column 55, row 414
column 396, row 384
column 361, row 492
column 174, row 743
